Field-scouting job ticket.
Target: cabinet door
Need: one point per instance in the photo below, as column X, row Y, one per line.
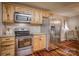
column 45, row 13
column 19, row 9
column 39, row 42
column 36, row 43
column 37, row 16
column 10, row 52
column 42, row 42
column 8, row 13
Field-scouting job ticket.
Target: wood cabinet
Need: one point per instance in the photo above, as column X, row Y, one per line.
column 9, row 10
column 36, row 43
column 7, row 46
column 37, row 16
column 45, row 13
column 39, row 42
column 43, row 41
column 23, row 9
column 8, row 13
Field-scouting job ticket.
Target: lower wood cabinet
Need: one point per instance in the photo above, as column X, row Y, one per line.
column 10, row 52
column 39, row 42
column 7, row 45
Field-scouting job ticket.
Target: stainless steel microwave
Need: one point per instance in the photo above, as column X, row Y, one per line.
column 21, row 17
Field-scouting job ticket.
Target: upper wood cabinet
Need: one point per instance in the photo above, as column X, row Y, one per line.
column 9, row 10
column 45, row 13
column 37, row 16
column 8, row 13
column 23, row 9
column 39, row 42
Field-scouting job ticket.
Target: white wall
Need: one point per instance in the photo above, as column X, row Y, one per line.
column 1, row 26
column 35, row 29
column 0, row 11
column 62, row 31
column 72, row 22
column 32, row 29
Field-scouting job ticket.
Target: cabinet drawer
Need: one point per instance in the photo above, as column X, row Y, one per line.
column 7, row 39
column 7, row 43
column 7, row 47
column 10, row 52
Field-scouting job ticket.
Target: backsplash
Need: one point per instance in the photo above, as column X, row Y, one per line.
column 35, row 29
column 1, row 29
column 9, row 30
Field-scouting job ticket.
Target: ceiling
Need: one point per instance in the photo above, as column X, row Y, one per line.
column 62, row 8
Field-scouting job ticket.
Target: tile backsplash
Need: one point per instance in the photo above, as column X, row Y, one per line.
column 33, row 29
column 1, row 29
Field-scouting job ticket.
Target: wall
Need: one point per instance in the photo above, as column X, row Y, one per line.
column 0, row 12
column 1, row 25
column 73, row 22
column 35, row 29
column 62, row 31
column 21, row 26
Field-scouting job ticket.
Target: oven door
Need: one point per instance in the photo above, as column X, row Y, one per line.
column 23, row 42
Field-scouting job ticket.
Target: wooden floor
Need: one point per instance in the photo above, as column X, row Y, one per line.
column 66, row 48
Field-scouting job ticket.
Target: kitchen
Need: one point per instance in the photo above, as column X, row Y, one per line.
column 26, row 29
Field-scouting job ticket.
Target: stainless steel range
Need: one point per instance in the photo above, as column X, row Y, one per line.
column 23, row 43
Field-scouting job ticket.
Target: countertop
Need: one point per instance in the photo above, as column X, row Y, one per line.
column 39, row 34
column 7, row 36
column 14, row 35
